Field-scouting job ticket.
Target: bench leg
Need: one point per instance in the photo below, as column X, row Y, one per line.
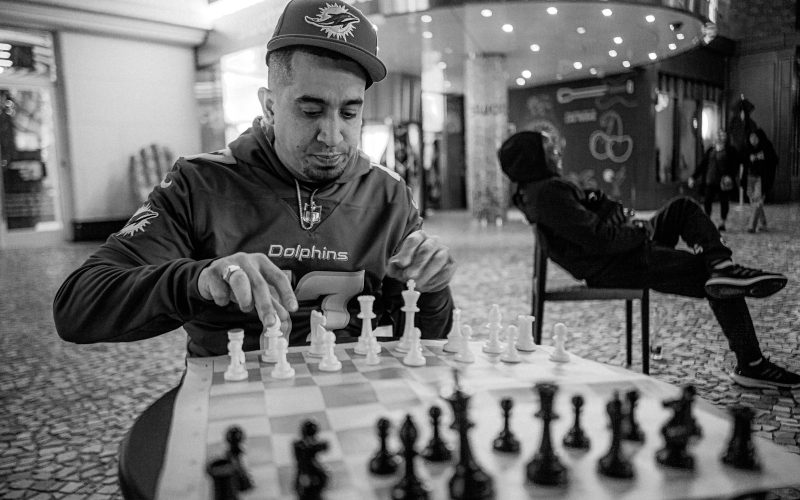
column 628, row 331
column 646, row 332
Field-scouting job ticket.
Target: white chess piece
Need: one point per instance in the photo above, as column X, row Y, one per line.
column 372, row 353
column 493, row 344
column 236, row 368
column 282, row 369
column 495, row 318
column 525, row 328
column 272, row 333
column 364, row 340
column 316, row 320
column 510, row 355
column 464, row 353
column 414, row 356
column 329, row 362
column 410, row 297
column 560, row 355
column 454, row 337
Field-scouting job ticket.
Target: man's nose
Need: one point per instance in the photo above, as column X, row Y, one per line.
column 330, row 131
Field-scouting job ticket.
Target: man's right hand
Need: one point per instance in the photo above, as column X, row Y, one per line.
column 250, row 280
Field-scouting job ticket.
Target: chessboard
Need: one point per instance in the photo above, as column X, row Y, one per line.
column 347, row 404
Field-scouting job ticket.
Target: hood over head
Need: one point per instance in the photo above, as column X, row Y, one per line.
column 522, row 158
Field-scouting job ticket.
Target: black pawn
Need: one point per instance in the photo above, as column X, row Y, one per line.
column 506, row 441
column 741, row 452
column 437, row 450
column 384, row 462
column 575, row 437
column 311, row 477
column 678, row 431
column 614, row 463
column 410, row 487
column 545, row 467
column 630, row 427
column 223, row 475
column 235, row 438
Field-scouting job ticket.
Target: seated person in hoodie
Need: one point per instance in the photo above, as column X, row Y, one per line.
column 590, row 236
column 290, row 218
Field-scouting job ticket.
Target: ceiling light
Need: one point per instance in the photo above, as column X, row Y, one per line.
column 486, row 12
column 508, row 28
column 652, row 56
column 650, row 18
column 552, row 11
column 672, row 46
column 427, row 34
column 5, row 62
column 612, row 53
column 577, row 65
column 679, row 36
column 581, row 30
column 5, row 46
column 426, row 18
column 618, row 40
column 607, row 12
column 520, row 81
column 526, row 73
column 592, row 71
column 4, row 54
column 535, row 47
column 627, row 64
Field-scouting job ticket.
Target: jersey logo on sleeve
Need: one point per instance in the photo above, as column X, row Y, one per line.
column 140, row 219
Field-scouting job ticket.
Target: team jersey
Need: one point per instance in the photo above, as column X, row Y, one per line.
column 142, row 281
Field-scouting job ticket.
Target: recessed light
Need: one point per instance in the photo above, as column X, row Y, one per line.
column 427, row 34
column 552, row 11
column 672, row 46
column 520, row 81
column 508, row 28
column 650, row 18
column 618, row 40
column 526, row 73
column 577, row 65
column 612, row 53
column 581, row 30
column 652, row 56
column 592, row 71
column 535, row 47
column 627, row 64
column 607, row 12
column 679, row 36
column 486, row 12
column 425, row 18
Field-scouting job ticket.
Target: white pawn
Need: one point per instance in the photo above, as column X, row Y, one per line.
column 464, row 353
column 493, row 344
column 316, row 320
column 410, row 297
column 414, row 356
column 282, row 369
column 510, row 355
column 495, row 317
column 236, row 368
column 366, row 315
column 454, row 337
column 525, row 328
column 329, row 362
column 372, row 353
column 560, row 355
column 272, row 334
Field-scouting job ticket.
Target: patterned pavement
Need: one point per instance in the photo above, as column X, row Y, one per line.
column 65, row 408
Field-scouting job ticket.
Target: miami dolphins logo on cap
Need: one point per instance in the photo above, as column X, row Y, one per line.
column 335, row 21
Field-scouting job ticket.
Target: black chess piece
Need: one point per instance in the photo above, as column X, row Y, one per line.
column 614, row 463
column 576, row 438
column 235, row 438
column 223, row 475
column 678, row 431
column 469, row 481
column 311, row 477
column 437, row 449
column 506, row 441
column 630, row 427
column 410, row 487
column 741, row 452
column 384, row 462
column 545, row 467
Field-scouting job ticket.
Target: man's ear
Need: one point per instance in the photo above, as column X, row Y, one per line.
column 266, row 98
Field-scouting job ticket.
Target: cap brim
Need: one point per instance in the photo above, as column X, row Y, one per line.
column 375, row 69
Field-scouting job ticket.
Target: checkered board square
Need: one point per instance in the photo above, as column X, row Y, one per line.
column 347, row 404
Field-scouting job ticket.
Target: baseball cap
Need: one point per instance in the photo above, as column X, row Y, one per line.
column 333, row 25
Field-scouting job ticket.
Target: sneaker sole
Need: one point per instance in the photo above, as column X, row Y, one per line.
column 755, row 383
column 723, row 288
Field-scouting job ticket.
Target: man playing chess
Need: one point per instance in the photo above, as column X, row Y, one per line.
column 290, row 218
column 591, row 237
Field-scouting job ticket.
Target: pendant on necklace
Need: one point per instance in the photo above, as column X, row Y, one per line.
column 312, row 213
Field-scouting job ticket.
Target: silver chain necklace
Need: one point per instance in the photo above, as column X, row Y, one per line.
column 310, row 213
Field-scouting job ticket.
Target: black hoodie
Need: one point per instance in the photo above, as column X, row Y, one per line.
column 582, row 231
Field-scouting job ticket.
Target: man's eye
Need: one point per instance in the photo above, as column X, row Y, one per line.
column 349, row 115
column 311, row 111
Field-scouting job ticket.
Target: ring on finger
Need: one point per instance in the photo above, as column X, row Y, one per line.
column 226, row 276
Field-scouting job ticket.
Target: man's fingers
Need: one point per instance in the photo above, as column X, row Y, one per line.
column 239, row 283
column 434, row 273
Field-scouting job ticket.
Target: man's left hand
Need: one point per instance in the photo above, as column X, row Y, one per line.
column 425, row 260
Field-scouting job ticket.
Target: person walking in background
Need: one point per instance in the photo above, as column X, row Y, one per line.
column 715, row 176
column 760, row 163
